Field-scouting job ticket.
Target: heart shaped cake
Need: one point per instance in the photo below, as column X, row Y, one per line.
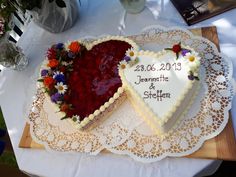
column 86, row 81
column 162, row 85
column 82, row 80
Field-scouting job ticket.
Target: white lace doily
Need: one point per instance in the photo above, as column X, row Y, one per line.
column 126, row 133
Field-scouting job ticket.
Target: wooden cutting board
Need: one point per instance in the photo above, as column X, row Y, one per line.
column 221, row 147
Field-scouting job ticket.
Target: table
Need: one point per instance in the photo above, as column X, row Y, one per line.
column 97, row 18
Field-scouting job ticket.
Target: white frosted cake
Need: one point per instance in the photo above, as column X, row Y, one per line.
column 161, row 86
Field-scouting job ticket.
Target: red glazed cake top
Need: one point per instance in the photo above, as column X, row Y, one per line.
column 95, row 77
column 81, row 80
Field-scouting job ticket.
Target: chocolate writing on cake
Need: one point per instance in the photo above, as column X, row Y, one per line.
column 152, row 93
column 158, row 95
column 161, row 78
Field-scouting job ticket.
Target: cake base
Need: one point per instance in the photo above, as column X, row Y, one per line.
column 105, row 114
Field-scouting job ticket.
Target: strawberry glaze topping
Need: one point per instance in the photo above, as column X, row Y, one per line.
column 94, row 78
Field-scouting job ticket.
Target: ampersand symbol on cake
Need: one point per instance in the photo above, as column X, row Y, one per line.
column 152, row 87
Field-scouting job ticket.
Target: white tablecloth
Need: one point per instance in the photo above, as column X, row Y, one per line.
column 97, row 18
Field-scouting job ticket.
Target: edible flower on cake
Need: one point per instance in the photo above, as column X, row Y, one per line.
column 64, row 107
column 53, row 75
column 193, row 60
column 45, row 65
column 192, row 76
column 60, row 46
column 76, row 118
column 48, row 82
column 59, row 77
column 64, row 63
column 191, row 57
column 131, row 53
column 53, row 63
column 185, row 51
column 74, row 46
column 178, row 50
column 44, row 72
column 122, row 64
column 71, row 55
column 51, row 53
column 56, row 97
column 130, row 56
column 61, row 87
column 129, row 59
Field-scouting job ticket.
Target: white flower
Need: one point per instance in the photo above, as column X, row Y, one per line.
column 192, row 57
column 76, row 118
column 193, row 60
column 61, row 87
column 194, row 66
column 64, row 63
column 67, row 44
column 45, row 65
column 195, row 74
column 55, row 74
column 131, row 53
column 123, row 64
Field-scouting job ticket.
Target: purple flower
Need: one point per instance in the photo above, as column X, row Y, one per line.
column 191, row 77
column 59, row 46
column 56, row 97
column 60, row 78
column 71, row 55
column 44, row 72
column 185, row 51
column 127, row 58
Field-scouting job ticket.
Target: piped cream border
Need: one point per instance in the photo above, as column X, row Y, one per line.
column 137, row 97
column 116, row 95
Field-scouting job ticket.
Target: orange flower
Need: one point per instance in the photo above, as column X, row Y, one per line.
column 74, row 46
column 53, row 63
column 48, row 82
column 64, row 107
